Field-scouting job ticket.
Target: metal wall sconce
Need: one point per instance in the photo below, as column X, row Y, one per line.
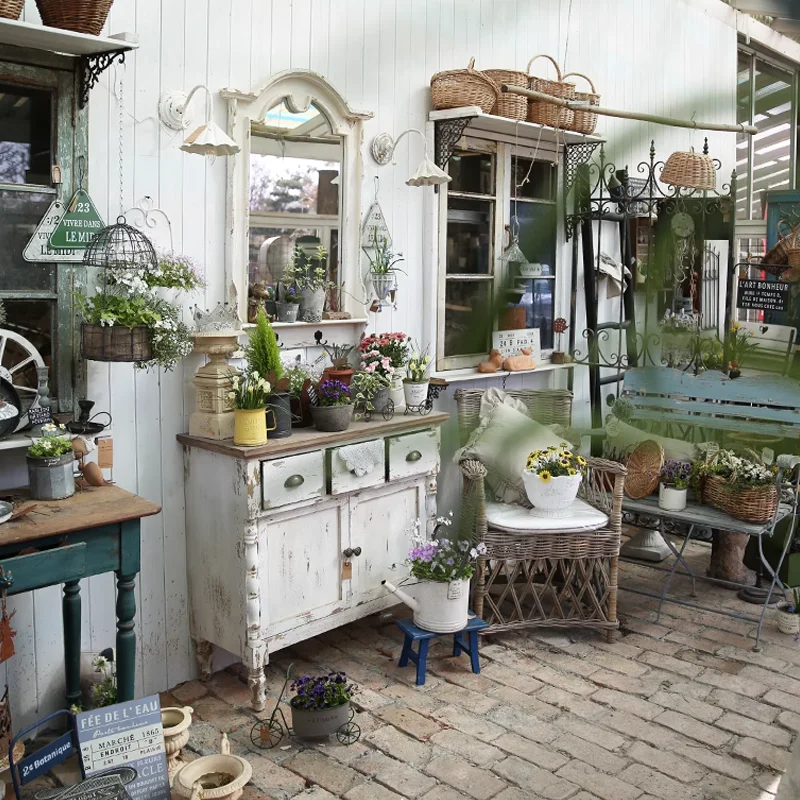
column 207, row 139
column 426, row 174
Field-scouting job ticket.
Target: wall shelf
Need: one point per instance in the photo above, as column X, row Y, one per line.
column 465, row 375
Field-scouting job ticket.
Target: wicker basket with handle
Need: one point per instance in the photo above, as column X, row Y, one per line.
column 11, row 9
column 690, row 171
column 115, row 343
column 547, row 113
column 644, row 469
column 749, row 504
column 790, row 244
column 513, row 106
column 456, row 88
column 585, row 121
column 83, row 16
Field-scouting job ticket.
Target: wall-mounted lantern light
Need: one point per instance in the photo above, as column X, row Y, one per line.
column 426, row 174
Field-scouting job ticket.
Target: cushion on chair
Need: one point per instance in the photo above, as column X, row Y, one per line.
column 516, row 519
column 502, row 442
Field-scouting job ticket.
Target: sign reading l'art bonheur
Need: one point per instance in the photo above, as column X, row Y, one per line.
column 127, row 735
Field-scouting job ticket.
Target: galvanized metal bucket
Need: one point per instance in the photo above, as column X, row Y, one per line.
column 308, row 724
column 52, row 478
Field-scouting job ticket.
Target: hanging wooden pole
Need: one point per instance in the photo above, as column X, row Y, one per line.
column 613, row 112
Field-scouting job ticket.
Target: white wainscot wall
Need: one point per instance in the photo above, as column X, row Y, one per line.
column 660, row 56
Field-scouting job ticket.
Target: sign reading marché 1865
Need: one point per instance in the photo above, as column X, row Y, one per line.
column 763, row 295
column 78, row 225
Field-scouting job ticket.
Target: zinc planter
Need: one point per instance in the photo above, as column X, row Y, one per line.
column 250, row 427
column 332, row 418
column 311, row 724
column 287, row 312
column 415, row 393
column 52, row 478
column 787, row 623
column 671, row 499
column 551, row 498
column 380, row 400
column 279, row 406
column 176, row 722
column 312, row 302
column 383, row 284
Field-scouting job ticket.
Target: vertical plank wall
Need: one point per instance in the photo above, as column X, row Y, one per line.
column 662, row 56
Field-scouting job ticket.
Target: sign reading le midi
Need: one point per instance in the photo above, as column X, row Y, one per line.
column 77, row 227
column 763, row 295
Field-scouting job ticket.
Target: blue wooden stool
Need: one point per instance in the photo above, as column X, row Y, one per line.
column 420, row 658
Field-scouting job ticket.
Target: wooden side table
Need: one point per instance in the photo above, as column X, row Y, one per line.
column 95, row 531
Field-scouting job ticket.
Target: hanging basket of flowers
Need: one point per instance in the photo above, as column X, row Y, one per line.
column 115, row 343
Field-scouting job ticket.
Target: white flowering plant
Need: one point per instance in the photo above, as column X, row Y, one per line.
column 175, row 271
column 441, row 558
column 555, row 462
column 249, row 391
column 419, row 364
column 734, row 469
column 53, row 444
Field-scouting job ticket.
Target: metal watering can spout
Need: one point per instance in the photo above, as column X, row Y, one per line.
column 407, row 599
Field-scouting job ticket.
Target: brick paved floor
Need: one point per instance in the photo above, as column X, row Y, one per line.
column 680, row 709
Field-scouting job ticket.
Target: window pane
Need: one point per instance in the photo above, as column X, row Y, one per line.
column 773, row 118
column 533, row 179
column 293, row 185
column 537, row 233
column 742, row 139
column 469, row 236
column 33, row 320
column 20, row 213
column 538, row 305
column 468, row 317
column 25, row 140
column 472, row 172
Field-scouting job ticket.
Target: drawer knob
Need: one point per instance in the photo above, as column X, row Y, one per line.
column 414, row 455
column 293, row 481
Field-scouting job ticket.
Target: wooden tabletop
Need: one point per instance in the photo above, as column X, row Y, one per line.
column 304, row 439
column 89, row 508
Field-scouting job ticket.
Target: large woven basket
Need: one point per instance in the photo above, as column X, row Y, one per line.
column 753, row 504
column 513, row 106
column 11, row 9
column 584, row 121
column 83, row 16
column 115, row 343
column 456, row 88
column 547, row 113
column 690, row 171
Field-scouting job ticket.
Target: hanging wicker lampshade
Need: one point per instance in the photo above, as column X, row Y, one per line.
column 690, row 171
column 121, row 247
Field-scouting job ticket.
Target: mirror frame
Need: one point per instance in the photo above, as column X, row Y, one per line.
column 299, row 89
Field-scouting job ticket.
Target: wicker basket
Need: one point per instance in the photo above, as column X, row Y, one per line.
column 456, row 88
column 644, row 469
column 513, row 106
column 11, row 9
column 753, row 504
column 83, row 16
column 115, row 343
column 585, row 121
column 690, row 171
column 547, row 113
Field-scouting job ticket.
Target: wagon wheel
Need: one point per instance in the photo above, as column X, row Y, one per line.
column 266, row 734
column 348, row 733
column 388, row 411
column 426, row 407
column 18, row 362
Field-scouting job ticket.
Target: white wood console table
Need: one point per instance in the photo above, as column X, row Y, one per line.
column 283, row 542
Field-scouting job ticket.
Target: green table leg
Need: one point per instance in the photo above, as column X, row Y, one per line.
column 72, row 641
column 126, row 637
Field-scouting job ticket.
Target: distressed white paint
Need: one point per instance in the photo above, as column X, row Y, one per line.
column 674, row 57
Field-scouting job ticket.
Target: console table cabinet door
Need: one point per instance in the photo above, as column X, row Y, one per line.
column 302, row 566
column 382, row 526
column 413, row 454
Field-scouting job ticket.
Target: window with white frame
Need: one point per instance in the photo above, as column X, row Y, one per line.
column 497, row 190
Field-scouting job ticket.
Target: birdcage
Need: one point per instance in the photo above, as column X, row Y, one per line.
column 121, row 247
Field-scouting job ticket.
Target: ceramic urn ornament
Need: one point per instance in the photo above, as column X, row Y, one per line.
column 176, row 722
column 215, row 777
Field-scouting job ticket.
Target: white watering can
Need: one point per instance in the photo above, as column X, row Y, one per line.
column 438, row 606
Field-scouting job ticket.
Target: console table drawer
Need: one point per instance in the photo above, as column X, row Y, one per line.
column 413, row 454
column 343, row 481
column 291, row 479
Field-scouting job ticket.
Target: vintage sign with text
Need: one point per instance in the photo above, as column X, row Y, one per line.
column 763, row 295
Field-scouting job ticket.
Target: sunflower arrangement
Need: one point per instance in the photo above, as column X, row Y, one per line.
column 555, row 462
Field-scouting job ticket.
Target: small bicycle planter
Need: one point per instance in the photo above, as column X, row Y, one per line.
column 423, row 409
column 365, row 413
column 266, row 734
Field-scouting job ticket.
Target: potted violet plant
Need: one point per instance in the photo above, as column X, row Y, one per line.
column 321, row 704
column 287, row 310
column 334, row 411
column 788, row 613
column 675, row 478
column 443, row 568
column 552, row 478
column 415, row 385
column 51, row 463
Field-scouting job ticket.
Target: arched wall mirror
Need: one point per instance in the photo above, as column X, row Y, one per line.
column 294, row 200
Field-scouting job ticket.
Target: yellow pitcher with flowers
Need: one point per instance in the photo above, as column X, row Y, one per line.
column 248, row 395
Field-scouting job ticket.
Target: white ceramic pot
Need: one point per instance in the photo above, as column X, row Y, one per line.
column 176, row 722
column 438, row 606
column 416, row 393
column 396, row 392
column 215, row 777
column 553, row 497
column 671, row 499
column 169, row 295
column 787, row 623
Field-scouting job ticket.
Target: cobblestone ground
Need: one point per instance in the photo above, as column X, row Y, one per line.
column 678, row 709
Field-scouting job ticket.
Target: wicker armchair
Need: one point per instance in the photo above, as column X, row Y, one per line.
column 561, row 579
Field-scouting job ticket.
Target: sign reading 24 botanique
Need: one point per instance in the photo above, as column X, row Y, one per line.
column 78, row 225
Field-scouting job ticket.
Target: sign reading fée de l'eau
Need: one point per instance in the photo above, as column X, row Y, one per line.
column 131, row 735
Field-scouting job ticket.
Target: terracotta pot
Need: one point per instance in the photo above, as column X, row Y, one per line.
column 333, row 374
